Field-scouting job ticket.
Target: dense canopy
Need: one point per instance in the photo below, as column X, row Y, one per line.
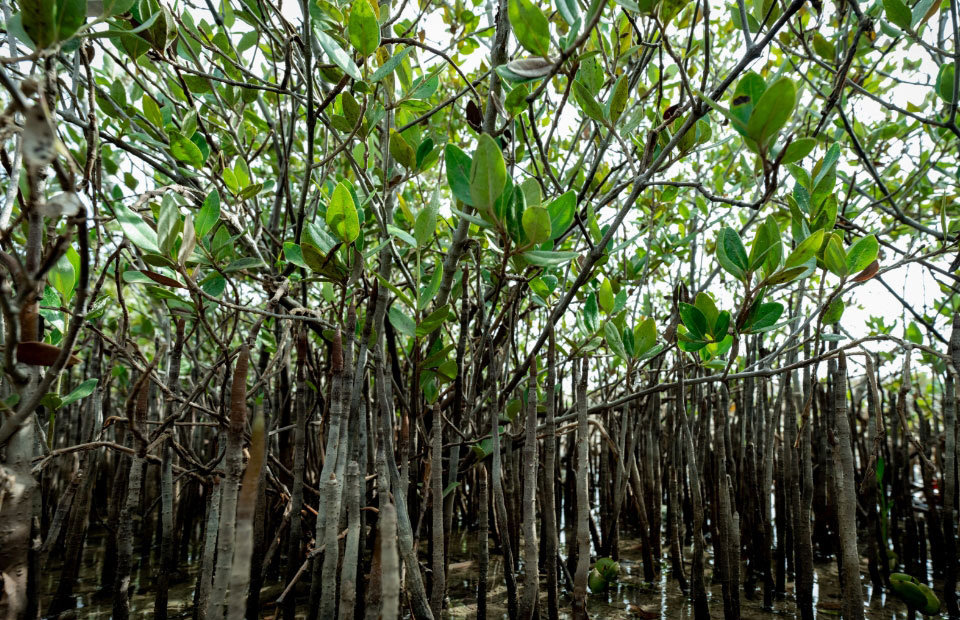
column 296, row 296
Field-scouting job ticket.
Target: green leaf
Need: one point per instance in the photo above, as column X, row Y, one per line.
column 186, row 151
column 209, row 214
column 731, row 254
column 342, row 214
column 81, row 391
column 425, row 225
column 337, row 55
column 562, row 210
column 645, row 336
column 530, row 26
column 401, row 322
column 764, row 318
column 834, row 312
column 772, row 111
column 588, row 104
column 617, row 102
column 897, row 13
column 63, row 277
column 863, row 252
column 704, row 302
column 391, row 65
column 612, row 336
column 363, row 28
column 834, row 257
column 135, row 229
column 293, row 254
column 458, row 166
column 544, row 258
column 797, row 150
column 168, row 225
column 400, row 149
column 37, row 18
column 605, row 297
column 806, row 250
column 536, row 224
column 693, row 319
column 488, row 173
column 945, row 78
column 433, row 321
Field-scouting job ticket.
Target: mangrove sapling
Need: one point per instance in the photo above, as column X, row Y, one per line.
column 499, row 503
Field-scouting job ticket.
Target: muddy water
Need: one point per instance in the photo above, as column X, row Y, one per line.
column 630, row 598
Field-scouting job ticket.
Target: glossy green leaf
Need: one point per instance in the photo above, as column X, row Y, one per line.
column 339, row 57
column 209, row 214
column 897, row 13
column 488, row 173
column 342, row 214
column 772, row 111
column 562, row 210
column 863, row 252
column 536, row 224
column 530, row 26
column 731, row 254
column 363, row 27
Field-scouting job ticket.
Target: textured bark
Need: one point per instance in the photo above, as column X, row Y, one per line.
column 852, row 604
column 389, row 563
column 230, row 487
column 950, row 472
column 299, row 460
column 531, row 580
column 483, row 543
column 436, row 489
column 331, row 553
column 583, row 498
column 550, row 542
column 348, row 574
column 246, row 508
column 121, row 591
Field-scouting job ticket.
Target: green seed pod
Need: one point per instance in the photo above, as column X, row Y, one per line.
column 915, row 594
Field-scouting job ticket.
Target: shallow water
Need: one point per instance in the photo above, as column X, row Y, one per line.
column 629, row 598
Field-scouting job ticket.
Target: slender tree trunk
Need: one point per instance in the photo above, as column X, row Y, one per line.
column 246, row 508
column 389, row 563
column 950, row 472
column 531, row 582
column 483, row 544
column 436, row 481
column 549, row 479
column 348, row 574
column 231, row 486
column 847, row 499
column 583, row 499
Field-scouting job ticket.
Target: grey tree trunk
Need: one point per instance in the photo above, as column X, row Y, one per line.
column 847, row 499
column 531, row 582
column 583, row 498
column 436, row 490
